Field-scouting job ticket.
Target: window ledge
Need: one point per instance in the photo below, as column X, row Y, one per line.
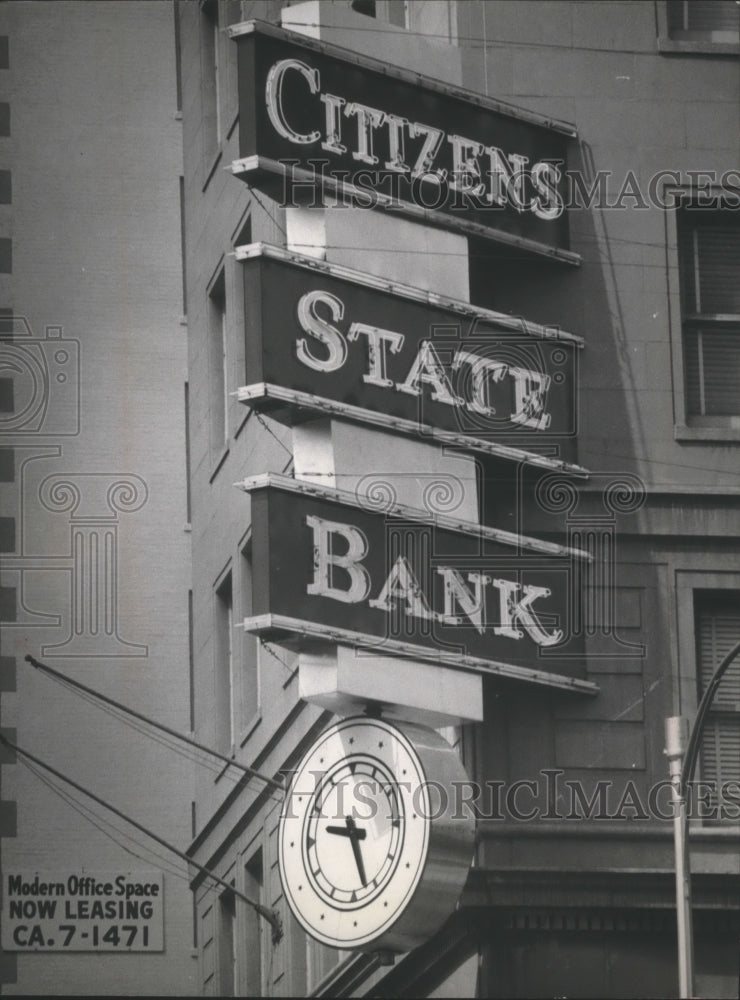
column 708, row 434
column 703, row 831
column 672, row 46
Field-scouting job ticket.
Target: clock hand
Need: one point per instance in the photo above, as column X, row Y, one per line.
column 344, row 831
column 355, row 836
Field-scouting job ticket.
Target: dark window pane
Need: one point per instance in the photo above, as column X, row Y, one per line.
column 702, row 17
column 713, row 371
column 366, row 7
column 718, row 630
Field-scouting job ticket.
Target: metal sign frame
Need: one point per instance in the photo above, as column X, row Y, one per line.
column 506, row 182
column 292, row 610
column 508, row 386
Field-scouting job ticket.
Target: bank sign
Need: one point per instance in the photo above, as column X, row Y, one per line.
column 79, row 910
column 314, row 117
column 327, row 564
column 332, row 340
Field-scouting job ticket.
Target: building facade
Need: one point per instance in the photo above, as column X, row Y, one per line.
column 96, row 551
column 571, row 891
column 587, row 248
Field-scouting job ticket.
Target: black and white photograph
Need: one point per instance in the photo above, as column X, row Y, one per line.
column 370, row 498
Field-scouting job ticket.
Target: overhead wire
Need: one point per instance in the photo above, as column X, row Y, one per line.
column 100, row 823
column 502, row 43
column 268, row 914
column 270, row 647
column 500, row 250
column 608, row 454
column 645, row 460
column 266, row 208
column 497, row 251
column 103, row 699
column 189, row 754
column 476, row 41
column 261, row 420
column 505, row 253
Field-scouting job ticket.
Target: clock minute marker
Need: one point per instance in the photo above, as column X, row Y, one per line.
column 358, row 749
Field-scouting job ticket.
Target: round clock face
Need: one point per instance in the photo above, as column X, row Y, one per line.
column 354, row 834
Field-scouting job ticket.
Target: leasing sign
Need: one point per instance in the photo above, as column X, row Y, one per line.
column 315, row 114
column 320, row 336
column 79, row 910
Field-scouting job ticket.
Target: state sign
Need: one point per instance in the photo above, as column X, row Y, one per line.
column 325, row 564
column 335, row 341
column 437, row 153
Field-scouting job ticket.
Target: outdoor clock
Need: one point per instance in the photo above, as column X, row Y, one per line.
column 375, row 840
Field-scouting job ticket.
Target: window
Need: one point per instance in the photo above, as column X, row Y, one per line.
column 188, row 493
column 244, row 234
column 227, row 945
column 178, row 54
column 703, row 20
column 438, row 19
column 191, row 665
column 709, row 262
column 210, row 45
column 398, row 13
column 208, row 964
column 249, row 674
column 699, row 26
column 183, row 248
column 366, row 7
column 224, row 665
column 242, row 237
column 392, row 11
column 218, row 369
column 717, row 631
column 255, row 925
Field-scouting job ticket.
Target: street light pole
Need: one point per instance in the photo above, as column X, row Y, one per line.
column 682, row 750
column 676, row 742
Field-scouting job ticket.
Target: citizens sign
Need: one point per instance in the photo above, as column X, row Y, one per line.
column 315, row 118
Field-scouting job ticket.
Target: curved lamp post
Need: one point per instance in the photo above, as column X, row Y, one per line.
column 682, row 753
